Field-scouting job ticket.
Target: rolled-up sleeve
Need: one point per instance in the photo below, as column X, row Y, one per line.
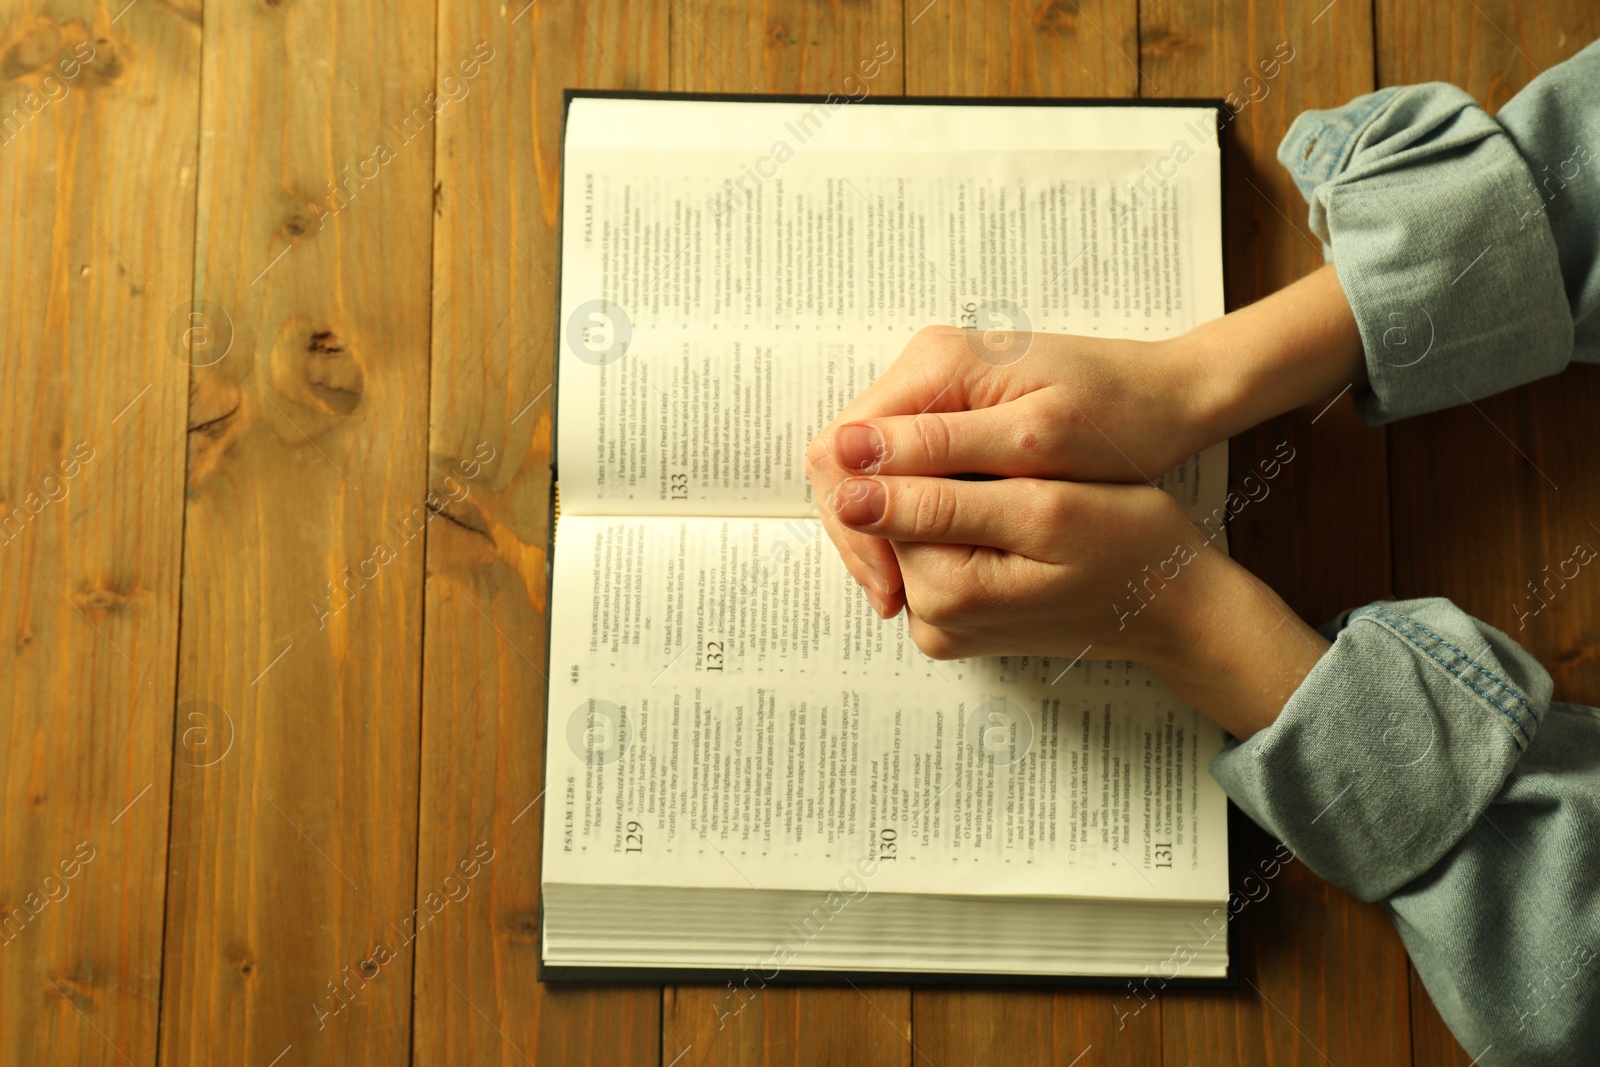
column 1422, row 763
column 1393, row 746
column 1466, row 244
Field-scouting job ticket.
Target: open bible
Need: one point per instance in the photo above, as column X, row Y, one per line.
column 747, row 771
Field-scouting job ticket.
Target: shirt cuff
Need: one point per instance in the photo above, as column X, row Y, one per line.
column 1422, row 202
column 1394, row 744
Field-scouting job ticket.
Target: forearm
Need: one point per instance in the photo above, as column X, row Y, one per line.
column 1297, row 346
column 1229, row 646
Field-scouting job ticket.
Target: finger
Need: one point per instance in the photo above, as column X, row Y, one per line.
column 885, row 587
column 1021, row 515
column 940, row 369
column 864, row 575
column 878, row 557
column 1010, row 439
column 931, row 641
column 874, row 554
column 921, row 376
column 870, row 560
column 951, row 598
column 887, row 603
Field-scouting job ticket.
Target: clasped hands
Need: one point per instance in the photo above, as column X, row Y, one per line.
column 1066, row 549
column 1065, row 544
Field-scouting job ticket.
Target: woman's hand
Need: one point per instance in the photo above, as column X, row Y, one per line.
column 1085, row 408
column 1030, row 566
column 1012, row 405
column 1064, row 569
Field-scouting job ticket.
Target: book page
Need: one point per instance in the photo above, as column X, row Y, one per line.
column 726, row 711
column 733, row 274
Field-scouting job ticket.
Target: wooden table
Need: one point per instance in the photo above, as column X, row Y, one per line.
column 258, row 742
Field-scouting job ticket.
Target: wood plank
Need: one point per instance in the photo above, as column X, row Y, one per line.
column 1530, row 450
column 495, row 261
column 92, row 409
column 859, row 1024
column 293, row 857
column 785, row 46
column 1481, row 531
column 962, row 48
column 1027, row 1025
column 1022, row 48
column 1491, row 48
column 1325, row 976
column 1445, row 466
column 1475, row 522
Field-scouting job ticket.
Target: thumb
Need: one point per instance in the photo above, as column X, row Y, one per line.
column 1008, row 440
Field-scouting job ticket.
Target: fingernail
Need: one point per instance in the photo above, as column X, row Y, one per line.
column 879, row 584
column 860, row 501
column 859, row 446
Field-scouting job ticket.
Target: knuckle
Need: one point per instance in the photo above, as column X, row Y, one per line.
column 939, row 607
column 935, row 515
column 1056, row 508
column 940, row 346
column 1169, row 507
column 816, row 451
column 932, row 433
column 1066, row 414
column 935, row 643
column 935, row 335
column 955, row 347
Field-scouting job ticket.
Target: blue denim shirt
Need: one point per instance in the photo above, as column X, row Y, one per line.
column 1422, row 762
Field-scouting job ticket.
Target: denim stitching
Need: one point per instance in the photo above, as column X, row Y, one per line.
column 1504, row 693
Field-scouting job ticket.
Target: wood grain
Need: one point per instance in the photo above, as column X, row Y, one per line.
column 329, row 759
column 785, row 46
column 294, row 857
column 1486, row 498
column 1059, row 48
column 92, row 403
column 495, row 258
column 850, row 1024
column 1023, row 48
column 1324, row 976
column 1024, row 1025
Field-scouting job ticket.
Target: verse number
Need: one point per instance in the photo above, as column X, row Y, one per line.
column 969, row 315
column 1163, row 855
column 634, row 841
column 713, row 655
column 886, row 844
column 678, row 487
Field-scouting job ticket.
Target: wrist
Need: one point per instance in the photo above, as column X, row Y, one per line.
column 1202, row 388
column 1296, row 347
column 1228, row 645
column 1221, row 382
